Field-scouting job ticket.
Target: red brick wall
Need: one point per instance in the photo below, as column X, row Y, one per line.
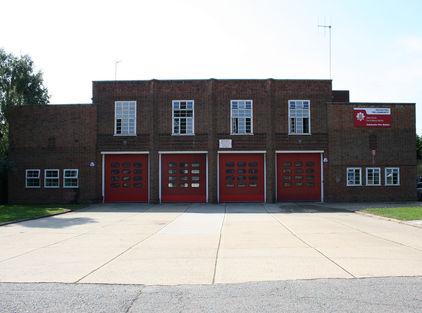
column 53, row 137
column 82, row 132
column 350, row 146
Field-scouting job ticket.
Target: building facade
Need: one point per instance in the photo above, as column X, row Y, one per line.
column 213, row 141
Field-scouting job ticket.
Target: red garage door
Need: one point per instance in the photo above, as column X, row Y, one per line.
column 241, row 177
column 299, row 177
column 126, row 178
column 183, row 177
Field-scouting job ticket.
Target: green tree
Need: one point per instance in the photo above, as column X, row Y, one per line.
column 418, row 147
column 19, row 85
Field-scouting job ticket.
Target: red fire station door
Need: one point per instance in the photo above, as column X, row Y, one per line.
column 241, row 177
column 126, row 178
column 299, row 177
column 183, row 177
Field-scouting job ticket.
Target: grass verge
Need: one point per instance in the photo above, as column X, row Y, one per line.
column 17, row 212
column 403, row 213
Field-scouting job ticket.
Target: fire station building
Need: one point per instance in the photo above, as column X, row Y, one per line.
column 213, row 141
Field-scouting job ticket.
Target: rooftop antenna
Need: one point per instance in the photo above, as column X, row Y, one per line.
column 115, row 68
column 325, row 26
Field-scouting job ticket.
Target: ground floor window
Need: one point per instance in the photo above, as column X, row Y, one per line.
column 70, row 178
column 51, row 178
column 32, row 178
column 373, row 176
column 392, row 176
column 354, row 176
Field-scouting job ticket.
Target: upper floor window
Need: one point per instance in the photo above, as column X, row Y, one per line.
column 241, row 117
column 299, row 117
column 125, row 118
column 70, row 178
column 373, row 176
column 51, row 179
column 392, row 176
column 32, row 179
column 354, row 176
column 183, row 117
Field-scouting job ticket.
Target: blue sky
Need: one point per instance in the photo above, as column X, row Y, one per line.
column 377, row 45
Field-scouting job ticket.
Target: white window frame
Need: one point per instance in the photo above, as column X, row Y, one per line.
column 172, row 118
column 231, row 118
column 289, row 118
column 39, row 177
column 115, row 118
column 45, row 177
column 64, row 177
column 360, row 176
column 367, row 174
column 398, row 176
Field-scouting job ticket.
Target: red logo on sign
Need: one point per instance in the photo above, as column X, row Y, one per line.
column 372, row 117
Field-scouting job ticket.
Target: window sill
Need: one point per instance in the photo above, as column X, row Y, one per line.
column 49, row 187
column 123, row 135
column 251, row 134
column 183, row 135
column 26, row 187
column 296, row 134
column 73, row 187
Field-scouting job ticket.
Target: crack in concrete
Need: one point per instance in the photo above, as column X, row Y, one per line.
column 131, row 247
column 306, row 243
column 218, row 246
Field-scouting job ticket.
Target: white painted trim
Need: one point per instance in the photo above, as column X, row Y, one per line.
column 275, row 177
column 299, row 151
column 360, row 176
column 159, row 177
column 265, row 177
column 258, row 151
column 39, row 178
column 77, row 177
column 103, row 177
column 124, row 152
column 172, row 118
column 58, row 178
column 366, row 176
column 322, row 177
column 149, row 179
column 206, row 178
column 182, row 152
column 136, row 118
column 288, row 113
column 231, row 118
column 398, row 178
column 218, row 178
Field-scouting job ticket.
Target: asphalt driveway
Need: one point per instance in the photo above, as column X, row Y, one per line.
column 206, row 244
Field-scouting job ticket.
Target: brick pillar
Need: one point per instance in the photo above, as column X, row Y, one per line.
column 154, row 121
column 270, row 144
column 212, row 142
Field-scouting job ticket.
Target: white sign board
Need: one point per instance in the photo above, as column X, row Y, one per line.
column 225, row 143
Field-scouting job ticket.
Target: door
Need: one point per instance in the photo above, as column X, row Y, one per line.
column 183, row 177
column 299, row 177
column 126, row 178
column 241, row 177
